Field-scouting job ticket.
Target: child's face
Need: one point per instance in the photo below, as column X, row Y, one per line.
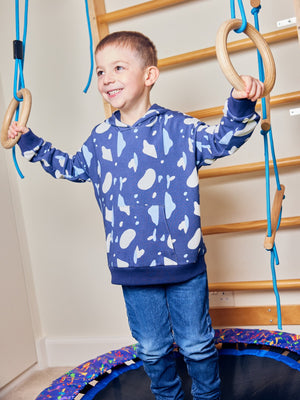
column 121, row 77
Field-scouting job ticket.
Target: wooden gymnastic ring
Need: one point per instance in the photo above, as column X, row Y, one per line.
column 6, row 142
column 261, row 44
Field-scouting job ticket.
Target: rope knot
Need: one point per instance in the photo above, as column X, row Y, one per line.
column 263, row 132
column 255, row 10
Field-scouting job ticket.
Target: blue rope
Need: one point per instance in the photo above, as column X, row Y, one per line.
column 91, row 48
column 25, row 29
column 274, row 254
column 16, row 162
column 268, row 135
column 19, row 82
column 267, row 174
column 18, row 70
column 243, row 15
column 277, row 296
column 274, row 159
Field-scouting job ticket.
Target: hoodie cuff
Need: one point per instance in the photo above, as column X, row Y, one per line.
column 29, row 141
column 241, row 108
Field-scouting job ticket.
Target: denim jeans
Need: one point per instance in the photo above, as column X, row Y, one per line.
column 158, row 316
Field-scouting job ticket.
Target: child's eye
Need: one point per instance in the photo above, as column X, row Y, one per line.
column 100, row 73
column 119, row 68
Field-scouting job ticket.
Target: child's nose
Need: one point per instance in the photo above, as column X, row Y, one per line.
column 108, row 78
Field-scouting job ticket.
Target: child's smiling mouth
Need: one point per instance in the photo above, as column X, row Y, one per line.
column 113, row 92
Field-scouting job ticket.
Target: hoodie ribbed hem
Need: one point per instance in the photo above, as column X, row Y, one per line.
column 142, row 276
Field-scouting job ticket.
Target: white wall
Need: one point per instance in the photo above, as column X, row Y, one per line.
column 62, row 223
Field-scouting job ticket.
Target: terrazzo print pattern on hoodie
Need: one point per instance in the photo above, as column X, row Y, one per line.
column 145, row 179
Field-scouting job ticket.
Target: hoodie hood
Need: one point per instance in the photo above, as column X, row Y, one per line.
column 149, row 119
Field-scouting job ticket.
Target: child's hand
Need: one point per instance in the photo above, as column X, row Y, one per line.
column 14, row 130
column 254, row 89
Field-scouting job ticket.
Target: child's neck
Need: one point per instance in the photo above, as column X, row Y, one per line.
column 130, row 117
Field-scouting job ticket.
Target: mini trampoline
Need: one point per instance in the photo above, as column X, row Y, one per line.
column 254, row 365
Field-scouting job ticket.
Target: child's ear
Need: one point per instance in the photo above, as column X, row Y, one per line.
column 151, row 75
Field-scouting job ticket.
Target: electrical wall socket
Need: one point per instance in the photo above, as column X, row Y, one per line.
column 286, row 22
column 294, row 111
column 221, row 299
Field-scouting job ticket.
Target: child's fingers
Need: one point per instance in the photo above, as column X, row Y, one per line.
column 11, row 134
column 253, row 88
column 14, row 130
column 14, row 126
column 256, row 90
column 11, row 131
column 260, row 89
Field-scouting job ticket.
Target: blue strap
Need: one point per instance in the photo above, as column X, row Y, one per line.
column 268, row 135
column 243, row 15
column 91, row 47
column 261, row 70
column 274, row 159
column 274, row 258
column 19, row 82
column 273, row 251
column 267, row 175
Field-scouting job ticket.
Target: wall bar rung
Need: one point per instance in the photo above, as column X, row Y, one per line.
column 248, row 226
column 247, row 168
column 136, row 10
column 285, row 98
column 287, row 284
column 238, row 45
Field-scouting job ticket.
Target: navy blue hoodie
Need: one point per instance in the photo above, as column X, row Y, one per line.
column 145, row 179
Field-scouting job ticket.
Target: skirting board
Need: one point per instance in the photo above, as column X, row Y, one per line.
column 70, row 352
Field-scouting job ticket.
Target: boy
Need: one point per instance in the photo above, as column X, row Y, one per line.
column 143, row 164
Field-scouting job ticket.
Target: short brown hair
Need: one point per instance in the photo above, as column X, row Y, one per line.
column 136, row 41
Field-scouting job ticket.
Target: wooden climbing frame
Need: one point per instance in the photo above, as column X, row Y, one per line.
column 229, row 316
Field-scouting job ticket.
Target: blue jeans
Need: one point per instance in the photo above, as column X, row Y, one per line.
column 158, row 316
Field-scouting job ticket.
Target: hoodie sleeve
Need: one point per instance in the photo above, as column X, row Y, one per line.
column 55, row 162
column 235, row 128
